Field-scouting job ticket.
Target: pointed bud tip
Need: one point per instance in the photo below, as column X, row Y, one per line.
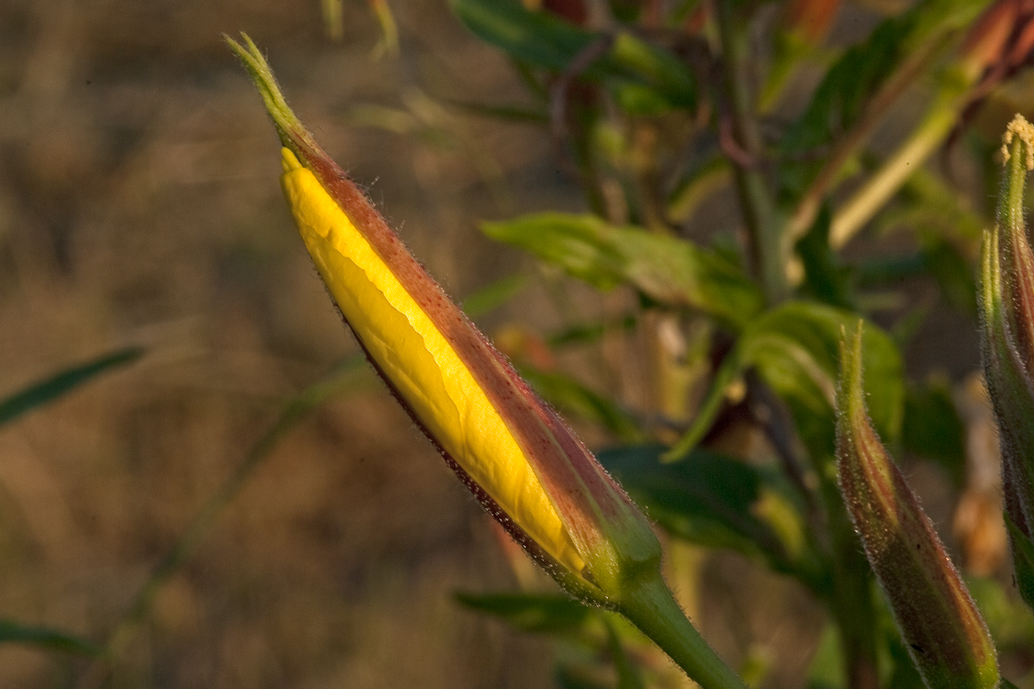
column 1024, row 130
column 289, row 128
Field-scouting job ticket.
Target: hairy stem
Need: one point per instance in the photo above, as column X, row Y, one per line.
column 653, row 609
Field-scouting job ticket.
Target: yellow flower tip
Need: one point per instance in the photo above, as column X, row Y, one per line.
column 288, row 160
column 1024, row 130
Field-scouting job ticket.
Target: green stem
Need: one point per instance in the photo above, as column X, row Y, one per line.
column 854, row 610
column 909, row 157
column 652, row 608
column 851, row 603
column 848, row 145
column 768, row 251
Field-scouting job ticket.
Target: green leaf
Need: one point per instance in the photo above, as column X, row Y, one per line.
column 721, row 502
column 57, row 385
column 896, row 48
column 46, row 639
column 1011, row 625
column 543, row 40
column 666, row 269
column 537, row 38
column 838, row 100
column 848, row 85
column 571, row 397
column 532, row 612
column 659, row 70
column 825, row 279
column 494, row 295
column 1022, row 560
column 932, row 427
column 795, row 350
column 827, row 665
column 629, row 674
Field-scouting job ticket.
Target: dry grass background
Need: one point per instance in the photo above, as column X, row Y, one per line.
column 139, row 205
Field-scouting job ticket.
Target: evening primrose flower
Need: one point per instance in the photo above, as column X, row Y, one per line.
column 941, row 626
column 512, row 450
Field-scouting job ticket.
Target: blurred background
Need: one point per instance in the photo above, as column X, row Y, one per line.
column 140, row 206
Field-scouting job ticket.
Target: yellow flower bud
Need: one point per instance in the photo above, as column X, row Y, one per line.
column 423, row 368
column 510, row 448
column 513, row 451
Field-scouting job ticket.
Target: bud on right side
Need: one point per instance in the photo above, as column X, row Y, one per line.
column 1006, row 298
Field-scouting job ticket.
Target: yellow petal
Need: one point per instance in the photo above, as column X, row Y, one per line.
column 421, row 364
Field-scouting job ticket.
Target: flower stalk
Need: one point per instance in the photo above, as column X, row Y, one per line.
column 512, row 450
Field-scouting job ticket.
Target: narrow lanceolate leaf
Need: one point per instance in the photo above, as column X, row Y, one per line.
column 533, row 612
column 1006, row 306
column 666, row 269
column 46, row 638
column 938, row 620
column 59, row 384
column 793, row 347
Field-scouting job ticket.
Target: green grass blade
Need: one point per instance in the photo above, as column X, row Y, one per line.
column 46, row 638
column 44, row 391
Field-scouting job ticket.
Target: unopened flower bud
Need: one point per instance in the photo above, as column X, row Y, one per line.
column 516, row 455
column 511, row 449
column 942, row 628
column 1007, row 343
